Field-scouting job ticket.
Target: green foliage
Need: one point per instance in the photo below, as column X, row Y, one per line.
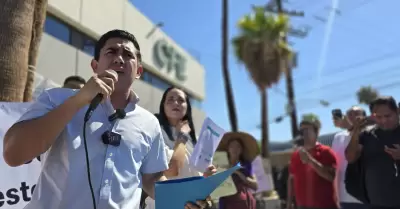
column 366, row 94
column 261, row 25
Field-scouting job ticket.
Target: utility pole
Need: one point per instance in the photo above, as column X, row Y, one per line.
column 277, row 7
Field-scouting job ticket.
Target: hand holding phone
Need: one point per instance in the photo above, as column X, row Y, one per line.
column 338, row 118
column 337, row 114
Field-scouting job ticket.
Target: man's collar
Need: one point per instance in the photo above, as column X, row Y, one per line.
column 133, row 97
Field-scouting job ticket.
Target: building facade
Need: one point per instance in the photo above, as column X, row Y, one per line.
column 67, row 47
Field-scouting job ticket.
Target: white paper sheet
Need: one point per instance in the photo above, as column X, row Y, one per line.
column 210, row 136
column 264, row 180
column 220, row 160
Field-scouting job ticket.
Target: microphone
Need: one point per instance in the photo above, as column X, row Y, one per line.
column 95, row 102
column 93, row 105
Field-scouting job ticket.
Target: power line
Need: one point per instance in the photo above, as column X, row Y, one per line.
column 374, row 74
column 368, row 60
column 365, row 2
column 278, row 119
column 334, row 71
column 352, row 95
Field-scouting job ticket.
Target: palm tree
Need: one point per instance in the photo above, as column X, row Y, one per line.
column 260, row 46
column 225, row 68
column 366, row 94
column 39, row 17
column 21, row 22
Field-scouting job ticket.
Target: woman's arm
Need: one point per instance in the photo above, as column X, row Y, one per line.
column 178, row 157
column 249, row 181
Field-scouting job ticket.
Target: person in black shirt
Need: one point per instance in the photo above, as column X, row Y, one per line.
column 378, row 148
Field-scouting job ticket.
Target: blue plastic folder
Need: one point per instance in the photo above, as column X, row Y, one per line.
column 174, row 194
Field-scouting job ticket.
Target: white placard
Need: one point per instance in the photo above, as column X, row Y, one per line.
column 264, row 180
column 16, row 184
column 220, row 160
column 210, row 136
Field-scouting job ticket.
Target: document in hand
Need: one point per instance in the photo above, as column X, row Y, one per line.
column 173, row 194
column 220, row 160
column 210, row 136
column 264, row 180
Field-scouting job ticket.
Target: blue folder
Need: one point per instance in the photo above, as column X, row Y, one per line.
column 174, row 194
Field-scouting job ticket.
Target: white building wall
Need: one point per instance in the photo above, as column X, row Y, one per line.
column 58, row 60
column 89, row 17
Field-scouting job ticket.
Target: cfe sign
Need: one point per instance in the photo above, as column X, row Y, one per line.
column 166, row 56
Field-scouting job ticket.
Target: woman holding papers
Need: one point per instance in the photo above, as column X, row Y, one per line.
column 241, row 148
column 175, row 118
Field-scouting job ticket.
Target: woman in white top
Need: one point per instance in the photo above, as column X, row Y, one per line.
column 175, row 117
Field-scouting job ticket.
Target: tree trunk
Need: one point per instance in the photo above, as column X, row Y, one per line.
column 39, row 17
column 225, row 68
column 292, row 103
column 264, row 124
column 15, row 37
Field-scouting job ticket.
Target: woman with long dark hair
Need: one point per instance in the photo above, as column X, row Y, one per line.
column 175, row 117
column 241, row 148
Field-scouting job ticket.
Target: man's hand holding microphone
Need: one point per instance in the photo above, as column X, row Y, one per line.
column 103, row 84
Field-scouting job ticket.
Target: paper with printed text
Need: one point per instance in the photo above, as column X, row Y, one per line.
column 210, row 136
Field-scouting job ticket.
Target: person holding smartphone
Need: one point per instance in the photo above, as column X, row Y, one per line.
column 377, row 147
column 339, row 144
column 312, row 171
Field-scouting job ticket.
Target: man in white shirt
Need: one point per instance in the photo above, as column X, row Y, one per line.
column 339, row 145
column 133, row 159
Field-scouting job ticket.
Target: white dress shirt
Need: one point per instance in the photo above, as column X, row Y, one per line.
column 339, row 144
column 115, row 170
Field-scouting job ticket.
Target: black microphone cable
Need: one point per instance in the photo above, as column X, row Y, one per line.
column 93, row 105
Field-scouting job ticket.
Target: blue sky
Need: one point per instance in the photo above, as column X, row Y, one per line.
column 363, row 50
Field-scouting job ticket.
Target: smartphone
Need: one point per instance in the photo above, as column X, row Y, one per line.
column 337, row 113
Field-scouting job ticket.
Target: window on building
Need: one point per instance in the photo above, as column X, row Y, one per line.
column 72, row 36
column 88, row 45
column 195, row 102
column 161, row 84
column 57, row 29
column 69, row 35
column 154, row 80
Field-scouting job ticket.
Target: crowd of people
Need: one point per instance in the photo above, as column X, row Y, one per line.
column 144, row 148
column 359, row 170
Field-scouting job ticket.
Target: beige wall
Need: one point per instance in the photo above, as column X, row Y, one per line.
column 58, row 60
column 88, row 16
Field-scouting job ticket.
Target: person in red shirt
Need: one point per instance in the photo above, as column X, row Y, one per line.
column 312, row 171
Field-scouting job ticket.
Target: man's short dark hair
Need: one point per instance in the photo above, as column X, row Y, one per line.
column 75, row 78
column 389, row 101
column 116, row 34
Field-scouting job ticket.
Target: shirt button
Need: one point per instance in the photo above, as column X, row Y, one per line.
column 106, row 181
column 111, row 154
